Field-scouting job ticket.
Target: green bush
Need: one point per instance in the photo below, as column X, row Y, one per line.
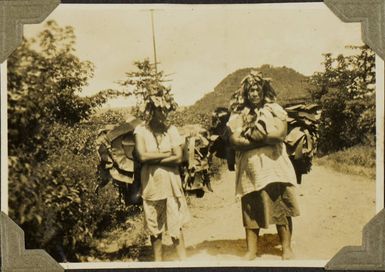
column 345, row 90
column 181, row 118
column 359, row 160
column 56, row 203
column 51, row 147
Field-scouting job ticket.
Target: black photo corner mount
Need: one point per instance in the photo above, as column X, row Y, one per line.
column 15, row 13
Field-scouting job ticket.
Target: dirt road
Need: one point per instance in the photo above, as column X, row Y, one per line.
column 334, row 208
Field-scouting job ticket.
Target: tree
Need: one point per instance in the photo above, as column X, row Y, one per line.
column 45, row 78
column 148, row 86
column 50, row 171
column 346, row 92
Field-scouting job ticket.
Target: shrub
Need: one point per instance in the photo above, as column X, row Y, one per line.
column 52, row 158
column 60, row 210
column 359, row 160
column 345, row 91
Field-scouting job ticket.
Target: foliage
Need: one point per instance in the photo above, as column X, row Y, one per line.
column 147, row 85
column 345, row 91
column 52, row 159
column 54, row 202
column 358, row 160
column 181, row 118
column 108, row 117
column 45, row 80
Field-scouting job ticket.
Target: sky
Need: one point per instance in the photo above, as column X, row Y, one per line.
column 199, row 45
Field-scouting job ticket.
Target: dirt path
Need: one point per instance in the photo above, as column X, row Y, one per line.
column 334, row 208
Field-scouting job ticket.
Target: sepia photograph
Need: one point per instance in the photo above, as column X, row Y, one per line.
column 189, row 135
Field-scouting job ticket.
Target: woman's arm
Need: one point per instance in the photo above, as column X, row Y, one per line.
column 233, row 133
column 274, row 136
column 173, row 160
column 241, row 143
column 148, row 157
column 278, row 133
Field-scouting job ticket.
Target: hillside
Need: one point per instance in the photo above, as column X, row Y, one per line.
column 290, row 85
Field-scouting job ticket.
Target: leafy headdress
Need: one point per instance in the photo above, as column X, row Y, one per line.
column 147, row 85
column 158, row 97
column 239, row 99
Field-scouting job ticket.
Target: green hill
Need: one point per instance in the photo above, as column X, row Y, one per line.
column 290, row 86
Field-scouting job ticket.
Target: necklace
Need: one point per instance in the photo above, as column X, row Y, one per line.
column 158, row 131
column 158, row 139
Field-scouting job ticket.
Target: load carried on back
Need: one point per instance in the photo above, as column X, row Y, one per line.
column 220, row 145
column 195, row 170
column 117, row 161
column 301, row 139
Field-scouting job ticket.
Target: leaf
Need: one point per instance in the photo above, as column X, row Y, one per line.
column 294, row 136
column 143, row 107
column 299, row 149
column 309, row 116
column 38, row 218
column 309, row 141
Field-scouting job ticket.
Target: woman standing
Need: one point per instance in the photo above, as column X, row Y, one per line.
column 158, row 148
column 265, row 177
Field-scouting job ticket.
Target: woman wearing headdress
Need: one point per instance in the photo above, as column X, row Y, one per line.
column 158, row 147
column 265, row 178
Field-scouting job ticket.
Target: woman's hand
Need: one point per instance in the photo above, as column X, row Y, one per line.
column 149, row 157
column 241, row 143
column 276, row 132
column 174, row 159
column 167, row 153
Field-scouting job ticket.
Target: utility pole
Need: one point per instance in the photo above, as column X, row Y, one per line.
column 153, row 40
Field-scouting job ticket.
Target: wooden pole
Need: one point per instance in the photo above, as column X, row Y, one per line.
column 153, row 40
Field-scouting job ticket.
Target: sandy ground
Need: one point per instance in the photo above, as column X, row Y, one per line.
column 334, row 209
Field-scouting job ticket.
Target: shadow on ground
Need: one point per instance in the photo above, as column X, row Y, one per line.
column 219, row 249
column 214, row 249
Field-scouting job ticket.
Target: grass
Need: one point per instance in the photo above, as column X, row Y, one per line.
column 357, row 160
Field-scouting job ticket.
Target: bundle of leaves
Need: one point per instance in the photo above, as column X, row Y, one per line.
column 195, row 170
column 302, row 138
column 303, row 122
column 259, row 122
column 220, row 145
column 219, row 120
column 117, row 160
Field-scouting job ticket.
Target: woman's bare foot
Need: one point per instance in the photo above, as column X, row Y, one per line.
column 180, row 247
column 252, row 244
column 287, row 254
column 249, row 256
